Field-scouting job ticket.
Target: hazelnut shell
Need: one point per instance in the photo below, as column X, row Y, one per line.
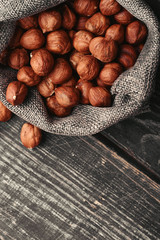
column 5, row 113
column 86, row 7
column 28, row 76
column 99, row 97
column 18, row 58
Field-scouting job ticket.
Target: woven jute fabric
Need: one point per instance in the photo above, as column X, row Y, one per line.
column 131, row 91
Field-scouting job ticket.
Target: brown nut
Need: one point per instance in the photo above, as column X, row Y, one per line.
column 68, row 18
column 28, row 76
column 81, row 23
column 84, row 87
column 110, row 73
column 123, row 17
column 97, row 24
column 67, row 96
column 42, row 62
column 5, row 113
column 46, row 87
column 109, row 7
column 32, row 39
column 30, row 135
column 70, row 83
column 56, row 108
column 16, row 93
column 75, row 58
column 28, row 22
column 100, row 83
column 58, row 42
column 86, row 7
column 81, row 41
column 61, row 72
column 115, row 32
column 88, row 68
column 136, row 32
column 127, row 56
column 105, row 51
column 49, row 20
column 99, row 97
column 15, row 40
column 18, row 58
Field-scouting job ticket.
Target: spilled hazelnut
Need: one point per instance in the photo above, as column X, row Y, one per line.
column 123, row 17
column 30, row 135
column 42, row 62
column 81, row 41
column 81, row 23
column 115, row 32
column 56, row 108
column 67, row 96
column 88, row 68
column 5, row 113
column 16, row 93
column 58, row 42
column 46, row 87
column 136, row 32
column 28, row 76
column 18, row 58
column 109, row 7
column 105, row 51
column 99, row 97
column 86, row 7
column 97, row 24
column 110, row 73
column 32, row 39
column 75, row 58
column 68, row 18
column 49, row 20
column 28, row 22
column 61, row 72
column 84, row 87
column 127, row 56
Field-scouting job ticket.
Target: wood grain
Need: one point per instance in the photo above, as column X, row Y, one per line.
column 72, row 188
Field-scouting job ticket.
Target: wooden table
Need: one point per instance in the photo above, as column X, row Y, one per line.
column 98, row 187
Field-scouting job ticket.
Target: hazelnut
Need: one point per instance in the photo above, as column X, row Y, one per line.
column 86, row 7
column 28, row 76
column 99, row 97
column 4, row 56
column 49, row 20
column 116, row 33
column 81, row 23
column 18, row 58
column 42, row 62
column 123, row 17
column 67, row 96
column 16, row 93
column 70, row 83
column 109, row 7
column 75, row 58
column 81, row 41
column 58, row 42
column 71, row 34
column 46, row 87
column 28, row 22
column 97, row 24
column 100, row 83
column 127, row 56
column 5, row 113
column 61, row 72
column 105, row 51
column 88, row 68
column 136, row 32
column 56, row 108
column 84, row 87
column 110, row 73
column 30, row 135
column 32, row 39
column 15, row 40
column 69, row 18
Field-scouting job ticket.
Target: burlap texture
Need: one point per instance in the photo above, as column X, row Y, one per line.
column 131, row 90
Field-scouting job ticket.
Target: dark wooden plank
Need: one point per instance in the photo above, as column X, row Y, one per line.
column 72, row 188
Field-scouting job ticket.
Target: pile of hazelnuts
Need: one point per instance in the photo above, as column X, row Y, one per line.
column 72, row 53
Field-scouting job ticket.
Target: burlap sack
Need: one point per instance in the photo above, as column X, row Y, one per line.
column 131, row 90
